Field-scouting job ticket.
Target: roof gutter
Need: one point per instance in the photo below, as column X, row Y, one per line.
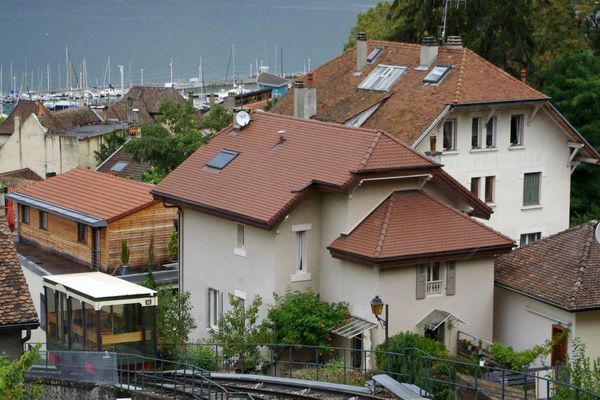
column 22, row 326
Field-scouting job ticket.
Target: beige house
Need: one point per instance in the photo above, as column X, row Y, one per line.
column 352, row 213
column 51, row 143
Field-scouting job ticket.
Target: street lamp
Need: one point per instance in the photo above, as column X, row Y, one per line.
column 376, row 309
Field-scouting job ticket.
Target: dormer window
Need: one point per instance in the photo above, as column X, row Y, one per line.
column 222, row 159
column 437, row 73
column 382, row 77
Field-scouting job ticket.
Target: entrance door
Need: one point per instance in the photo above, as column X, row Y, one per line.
column 559, row 351
column 437, row 333
column 357, row 346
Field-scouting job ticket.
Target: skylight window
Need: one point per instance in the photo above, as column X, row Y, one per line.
column 119, row 166
column 382, row 77
column 221, row 160
column 437, row 73
column 374, row 54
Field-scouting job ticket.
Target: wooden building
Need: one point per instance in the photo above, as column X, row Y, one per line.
column 85, row 215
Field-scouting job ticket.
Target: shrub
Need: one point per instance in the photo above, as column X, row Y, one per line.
column 517, row 360
column 333, row 371
column 200, row 356
column 174, row 245
column 125, row 253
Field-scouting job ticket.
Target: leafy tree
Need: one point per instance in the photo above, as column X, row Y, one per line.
column 589, row 23
column 12, row 377
column 110, row 144
column 581, row 371
column 239, row 330
column 174, row 318
column 217, row 118
column 302, row 318
column 178, row 118
column 374, row 22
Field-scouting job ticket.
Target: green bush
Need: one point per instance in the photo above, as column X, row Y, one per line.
column 517, row 360
column 333, row 371
column 200, row 356
column 173, row 245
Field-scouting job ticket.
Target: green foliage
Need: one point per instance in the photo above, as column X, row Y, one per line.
column 153, row 175
column 149, row 281
column 239, row 331
column 333, row 371
column 125, row 253
column 2, row 119
column 580, row 371
column 217, row 118
column 517, row 360
column 200, row 356
column 178, row 118
column 374, row 22
column 110, row 144
column 174, row 320
column 302, row 318
column 412, row 347
column 151, row 254
column 12, row 377
column 174, row 245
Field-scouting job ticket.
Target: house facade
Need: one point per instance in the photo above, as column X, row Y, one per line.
column 85, row 215
column 550, row 288
column 282, row 202
column 497, row 136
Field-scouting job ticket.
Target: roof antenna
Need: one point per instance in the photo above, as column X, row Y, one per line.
column 442, row 29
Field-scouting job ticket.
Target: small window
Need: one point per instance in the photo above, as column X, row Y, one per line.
column 475, row 186
column 222, row 159
column 382, row 77
column 214, row 308
column 43, row 220
column 119, row 166
column 490, row 182
column 516, row 130
column 531, row 189
column 490, row 133
column 437, row 73
column 301, row 251
column 374, row 54
column 449, row 135
column 476, row 133
column 81, row 233
column 240, row 246
column 527, row 238
column 25, row 214
column 433, row 279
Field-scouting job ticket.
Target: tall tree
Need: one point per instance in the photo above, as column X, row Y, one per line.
column 110, row 144
column 375, row 22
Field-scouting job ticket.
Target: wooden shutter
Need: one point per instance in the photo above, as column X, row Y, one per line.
column 450, row 278
column 421, row 280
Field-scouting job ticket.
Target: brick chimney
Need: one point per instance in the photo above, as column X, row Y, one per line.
column 305, row 99
column 433, row 153
column 429, row 52
column 524, row 74
column 361, row 51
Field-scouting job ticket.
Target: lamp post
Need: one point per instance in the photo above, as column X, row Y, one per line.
column 376, row 309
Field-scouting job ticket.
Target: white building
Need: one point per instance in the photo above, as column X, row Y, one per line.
column 351, row 213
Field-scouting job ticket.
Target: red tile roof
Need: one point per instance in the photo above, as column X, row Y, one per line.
column 23, row 109
column 16, row 306
column 410, row 106
column 562, row 269
column 132, row 170
column 410, row 226
column 93, row 193
column 265, row 181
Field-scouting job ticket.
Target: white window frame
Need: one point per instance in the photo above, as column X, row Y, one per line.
column 301, row 253
column 520, row 127
column 479, row 132
column 453, row 135
column 526, row 235
column 240, row 247
column 434, row 287
column 493, row 120
column 215, row 308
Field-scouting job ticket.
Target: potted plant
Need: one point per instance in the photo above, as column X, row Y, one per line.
column 125, row 254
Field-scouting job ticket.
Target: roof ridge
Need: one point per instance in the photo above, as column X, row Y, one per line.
column 109, row 176
column 315, row 122
column 384, row 226
column 460, row 78
column 394, row 43
column 370, row 150
column 581, row 266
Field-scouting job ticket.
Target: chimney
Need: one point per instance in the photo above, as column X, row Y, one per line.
column 433, row 153
column 454, row 42
column 305, row 100
column 281, row 137
column 129, row 110
column 429, row 52
column 361, row 51
column 229, row 102
column 524, row 74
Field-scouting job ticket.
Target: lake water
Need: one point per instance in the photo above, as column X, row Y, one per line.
column 148, row 33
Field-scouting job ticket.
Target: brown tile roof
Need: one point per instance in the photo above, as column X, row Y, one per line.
column 93, row 193
column 146, row 99
column 133, row 170
column 562, row 269
column 60, row 121
column 410, row 226
column 410, row 106
column 265, row 181
column 16, row 306
column 23, row 173
column 24, row 109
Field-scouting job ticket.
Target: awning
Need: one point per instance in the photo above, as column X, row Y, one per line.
column 354, row 327
column 436, row 318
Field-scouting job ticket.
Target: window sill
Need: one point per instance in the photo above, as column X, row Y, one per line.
column 301, row 277
column 492, row 205
column 450, row 152
column 516, row 147
column 427, row 296
column 535, row 207
column 239, row 252
column 486, row 150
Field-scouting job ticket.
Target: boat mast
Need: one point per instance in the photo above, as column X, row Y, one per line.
column 171, row 71
column 233, row 62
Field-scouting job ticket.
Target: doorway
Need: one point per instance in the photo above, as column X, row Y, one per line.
column 357, row 353
column 559, row 351
column 437, row 333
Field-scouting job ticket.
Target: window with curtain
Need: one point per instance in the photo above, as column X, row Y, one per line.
column 476, row 133
column 301, row 251
column 531, row 188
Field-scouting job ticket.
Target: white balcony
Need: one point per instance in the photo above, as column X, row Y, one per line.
column 433, row 288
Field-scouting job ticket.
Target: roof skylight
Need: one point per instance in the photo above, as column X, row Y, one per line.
column 374, row 54
column 382, row 77
column 221, row 160
column 119, row 166
column 437, row 73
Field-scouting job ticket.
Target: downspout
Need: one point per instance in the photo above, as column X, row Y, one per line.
column 180, row 240
column 27, row 336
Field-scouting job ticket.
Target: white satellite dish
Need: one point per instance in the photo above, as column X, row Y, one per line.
column 597, row 233
column 242, row 118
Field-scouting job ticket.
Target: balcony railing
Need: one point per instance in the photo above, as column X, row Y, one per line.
column 433, row 287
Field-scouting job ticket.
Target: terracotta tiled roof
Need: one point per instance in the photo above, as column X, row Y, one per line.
column 59, row 121
column 265, row 181
column 410, row 106
column 132, row 170
column 93, row 193
column 410, row 226
column 16, row 306
column 24, row 109
column 562, row 269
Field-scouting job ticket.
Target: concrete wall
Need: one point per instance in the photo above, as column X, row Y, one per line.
column 588, row 330
column 10, row 343
column 545, row 149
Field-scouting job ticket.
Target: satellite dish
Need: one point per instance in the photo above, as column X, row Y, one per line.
column 597, row 233
column 242, row 118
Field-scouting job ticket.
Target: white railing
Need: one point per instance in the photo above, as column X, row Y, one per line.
column 433, row 287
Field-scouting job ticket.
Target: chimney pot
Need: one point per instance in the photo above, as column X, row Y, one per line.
column 454, row 42
column 281, row 136
column 361, row 36
column 432, row 144
column 429, row 41
column 524, row 74
column 309, row 78
column 299, row 84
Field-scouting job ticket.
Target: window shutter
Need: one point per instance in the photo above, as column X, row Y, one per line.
column 421, row 280
column 451, row 278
